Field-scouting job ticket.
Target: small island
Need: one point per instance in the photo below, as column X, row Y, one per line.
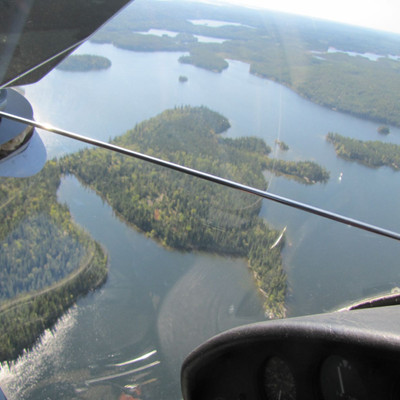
column 84, row 63
column 204, row 58
column 384, row 130
column 307, row 172
column 183, row 78
column 372, row 153
column 282, row 145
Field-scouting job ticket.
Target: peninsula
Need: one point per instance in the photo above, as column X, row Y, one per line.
column 372, row 153
column 187, row 213
column 47, row 261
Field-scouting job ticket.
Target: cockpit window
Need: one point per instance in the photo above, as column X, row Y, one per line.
column 113, row 269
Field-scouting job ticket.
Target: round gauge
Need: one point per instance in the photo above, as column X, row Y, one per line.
column 278, row 380
column 341, row 379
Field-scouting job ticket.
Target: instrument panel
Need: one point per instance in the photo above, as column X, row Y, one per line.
column 352, row 355
column 336, row 377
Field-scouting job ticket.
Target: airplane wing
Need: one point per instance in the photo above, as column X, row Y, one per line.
column 35, row 35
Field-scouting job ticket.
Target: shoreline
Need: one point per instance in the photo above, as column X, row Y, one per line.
column 277, row 311
column 63, row 294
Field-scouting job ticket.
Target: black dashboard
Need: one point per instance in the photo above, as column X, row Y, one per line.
column 341, row 355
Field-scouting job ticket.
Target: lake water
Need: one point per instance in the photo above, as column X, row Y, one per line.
column 167, row 301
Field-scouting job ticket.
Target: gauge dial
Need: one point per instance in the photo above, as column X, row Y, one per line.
column 341, row 379
column 279, row 383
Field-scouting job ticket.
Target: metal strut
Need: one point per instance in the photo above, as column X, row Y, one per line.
column 209, row 177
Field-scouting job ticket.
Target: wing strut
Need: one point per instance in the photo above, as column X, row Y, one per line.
column 212, row 178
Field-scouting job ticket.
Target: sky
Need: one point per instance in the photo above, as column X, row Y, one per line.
column 376, row 14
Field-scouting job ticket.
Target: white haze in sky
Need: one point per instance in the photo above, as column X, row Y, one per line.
column 376, row 14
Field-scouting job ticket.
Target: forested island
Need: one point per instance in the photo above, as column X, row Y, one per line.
column 384, row 130
column 183, row 212
column 203, row 58
column 303, row 171
column 291, row 50
column 282, row 145
column 371, row 153
column 84, row 63
column 47, row 262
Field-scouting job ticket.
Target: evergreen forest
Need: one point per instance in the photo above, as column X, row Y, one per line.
column 371, row 153
column 84, row 62
column 46, row 261
column 187, row 213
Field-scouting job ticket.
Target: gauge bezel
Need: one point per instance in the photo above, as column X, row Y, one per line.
column 358, row 375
